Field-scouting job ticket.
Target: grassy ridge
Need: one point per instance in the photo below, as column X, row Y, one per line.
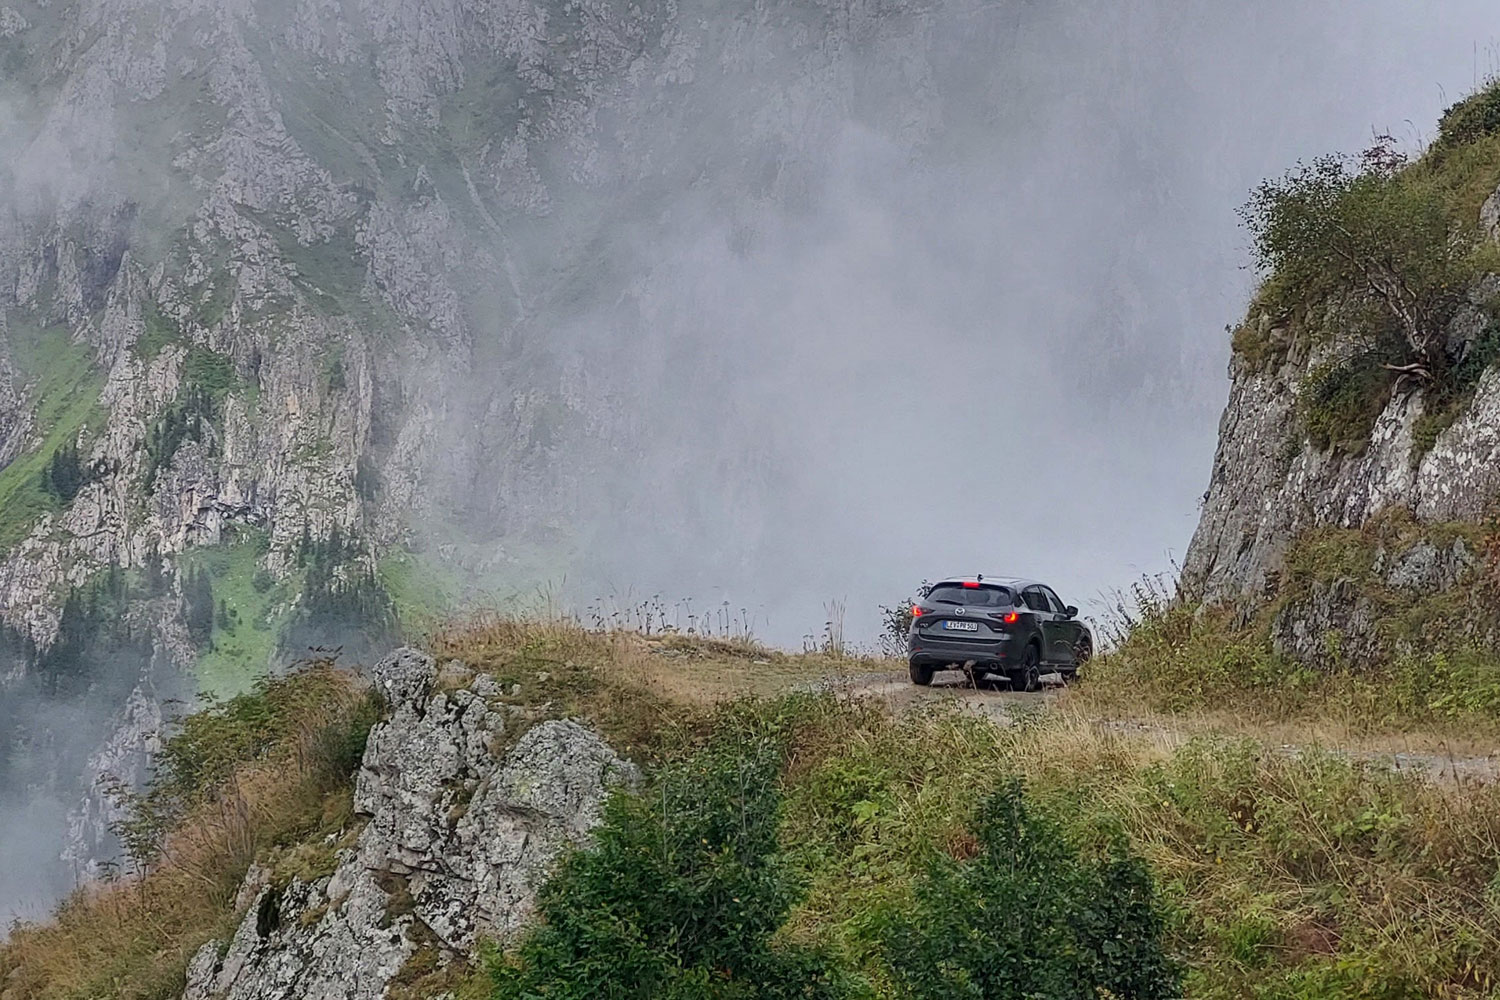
column 242, row 781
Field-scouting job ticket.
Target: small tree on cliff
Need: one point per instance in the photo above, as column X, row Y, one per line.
column 1371, row 228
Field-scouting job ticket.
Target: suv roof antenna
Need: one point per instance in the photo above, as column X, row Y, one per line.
column 979, row 578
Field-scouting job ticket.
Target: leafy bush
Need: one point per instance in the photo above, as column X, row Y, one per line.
column 680, row 896
column 1029, row 917
column 1443, row 406
column 1368, row 230
column 1340, row 402
column 895, row 622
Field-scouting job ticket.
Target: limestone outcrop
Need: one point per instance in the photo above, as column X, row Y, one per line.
column 458, row 833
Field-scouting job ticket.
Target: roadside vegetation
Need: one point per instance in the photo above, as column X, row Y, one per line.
column 1418, row 664
column 798, row 841
column 1202, row 664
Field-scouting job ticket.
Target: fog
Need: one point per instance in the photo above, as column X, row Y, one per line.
column 982, row 329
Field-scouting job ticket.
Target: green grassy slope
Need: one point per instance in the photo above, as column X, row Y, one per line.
column 65, row 386
column 248, row 620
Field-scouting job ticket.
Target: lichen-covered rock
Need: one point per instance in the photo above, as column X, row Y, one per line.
column 456, row 841
column 1334, row 623
column 404, row 678
column 1425, row 568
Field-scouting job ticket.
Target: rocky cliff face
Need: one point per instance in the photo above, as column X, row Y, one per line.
column 458, row 834
column 1272, row 486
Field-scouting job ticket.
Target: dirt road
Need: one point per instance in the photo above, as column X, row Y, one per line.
column 1004, row 706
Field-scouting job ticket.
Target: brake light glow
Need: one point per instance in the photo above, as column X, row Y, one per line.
column 1011, row 618
column 916, row 611
column 971, row 585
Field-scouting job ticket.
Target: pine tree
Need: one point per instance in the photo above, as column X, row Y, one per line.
column 156, row 577
column 198, row 594
column 64, row 474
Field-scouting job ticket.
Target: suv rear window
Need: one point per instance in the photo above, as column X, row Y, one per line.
column 983, row 596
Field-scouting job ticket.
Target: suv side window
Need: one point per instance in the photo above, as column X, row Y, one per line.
column 1057, row 605
column 1035, row 599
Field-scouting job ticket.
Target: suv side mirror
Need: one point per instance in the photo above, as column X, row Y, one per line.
column 1070, row 611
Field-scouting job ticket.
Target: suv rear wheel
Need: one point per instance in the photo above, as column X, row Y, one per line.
column 1028, row 676
column 921, row 673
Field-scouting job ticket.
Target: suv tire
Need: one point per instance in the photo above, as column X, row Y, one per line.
column 1028, row 676
column 921, row 673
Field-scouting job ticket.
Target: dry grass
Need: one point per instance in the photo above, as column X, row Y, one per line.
column 1197, row 670
column 131, row 939
column 633, row 687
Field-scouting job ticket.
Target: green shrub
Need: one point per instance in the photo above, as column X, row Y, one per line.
column 1368, row 230
column 1029, row 917
column 895, row 622
column 681, row 895
column 209, row 372
column 1340, row 402
column 1471, row 119
column 1446, row 403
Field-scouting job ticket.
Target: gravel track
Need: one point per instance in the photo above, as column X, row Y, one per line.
column 1004, row 706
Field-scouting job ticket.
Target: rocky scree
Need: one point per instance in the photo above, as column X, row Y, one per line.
column 456, row 841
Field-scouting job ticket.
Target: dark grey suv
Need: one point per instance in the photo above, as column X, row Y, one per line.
column 995, row 625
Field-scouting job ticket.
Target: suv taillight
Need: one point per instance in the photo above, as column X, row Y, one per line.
column 917, row 611
column 1009, row 617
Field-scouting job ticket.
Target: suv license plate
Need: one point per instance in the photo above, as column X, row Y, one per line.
column 961, row 626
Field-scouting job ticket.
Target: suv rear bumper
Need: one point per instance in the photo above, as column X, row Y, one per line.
column 940, row 652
